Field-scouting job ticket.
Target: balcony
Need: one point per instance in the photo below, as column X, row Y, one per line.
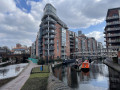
column 51, row 42
column 46, row 37
column 113, row 23
column 52, row 31
column 45, row 32
column 113, row 47
column 40, row 49
column 50, row 20
column 45, row 26
column 46, row 42
column 114, row 41
column 62, row 49
column 41, row 53
column 46, row 54
column 113, row 17
column 113, row 29
column 114, row 35
column 71, row 44
column 51, row 53
column 71, row 40
column 51, row 48
column 52, row 26
column 51, row 36
column 63, row 54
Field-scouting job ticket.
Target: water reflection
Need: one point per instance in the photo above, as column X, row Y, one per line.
column 96, row 79
column 11, row 70
column 114, row 79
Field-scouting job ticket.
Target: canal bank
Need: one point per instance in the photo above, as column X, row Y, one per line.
column 54, row 83
column 10, row 72
column 111, row 64
column 19, row 81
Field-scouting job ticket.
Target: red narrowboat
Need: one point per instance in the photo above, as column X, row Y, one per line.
column 85, row 66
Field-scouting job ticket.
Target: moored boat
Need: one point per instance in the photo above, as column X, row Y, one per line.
column 77, row 65
column 85, row 66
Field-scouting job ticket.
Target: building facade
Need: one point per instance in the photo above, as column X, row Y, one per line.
column 54, row 40
column 19, row 49
column 53, row 36
column 112, row 29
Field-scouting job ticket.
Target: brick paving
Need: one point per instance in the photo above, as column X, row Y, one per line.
column 18, row 82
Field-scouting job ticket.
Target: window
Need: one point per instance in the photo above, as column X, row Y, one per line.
column 57, row 46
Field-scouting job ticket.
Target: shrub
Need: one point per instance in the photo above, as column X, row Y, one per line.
column 41, row 61
column 4, row 59
column 51, row 61
column 58, row 59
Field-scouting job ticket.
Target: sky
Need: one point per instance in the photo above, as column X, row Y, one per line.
column 20, row 19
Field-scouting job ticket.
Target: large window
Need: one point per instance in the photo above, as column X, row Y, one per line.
column 57, row 46
column 63, row 37
column 76, row 42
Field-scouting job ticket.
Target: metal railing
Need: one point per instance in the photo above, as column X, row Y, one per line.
column 113, row 23
column 113, row 17
column 113, row 35
column 113, row 29
column 116, row 40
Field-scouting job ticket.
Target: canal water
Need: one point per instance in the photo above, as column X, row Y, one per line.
column 11, row 70
column 100, row 77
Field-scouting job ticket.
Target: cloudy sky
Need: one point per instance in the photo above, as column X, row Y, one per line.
column 20, row 19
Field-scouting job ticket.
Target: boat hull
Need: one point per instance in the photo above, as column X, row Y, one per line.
column 85, row 69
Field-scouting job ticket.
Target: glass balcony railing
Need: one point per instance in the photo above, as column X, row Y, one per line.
column 51, row 42
column 116, row 47
column 51, row 36
column 46, row 42
column 63, row 53
column 46, row 36
column 71, row 43
column 113, row 29
column 113, row 23
column 113, row 17
column 113, row 35
column 116, row 40
column 52, row 26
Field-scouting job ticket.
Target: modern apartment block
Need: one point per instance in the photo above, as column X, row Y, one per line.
column 53, row 40
column 87, row 46
column 112, row 29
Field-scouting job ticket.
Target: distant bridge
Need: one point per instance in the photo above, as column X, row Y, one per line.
column 16, row 58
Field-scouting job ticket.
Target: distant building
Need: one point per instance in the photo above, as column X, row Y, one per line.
column 33, row 49
column 19, row 49
column 99, row 48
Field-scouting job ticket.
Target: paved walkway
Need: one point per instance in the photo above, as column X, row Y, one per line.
column 18, row 82
column 112, row 65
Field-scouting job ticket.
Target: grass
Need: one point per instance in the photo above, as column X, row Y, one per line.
column 37, row 80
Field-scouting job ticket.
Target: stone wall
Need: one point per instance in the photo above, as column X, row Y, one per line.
column 55, row 84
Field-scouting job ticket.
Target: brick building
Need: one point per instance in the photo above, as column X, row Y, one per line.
column 112, row 29
column 54, row 40
column 53, row 36
column 20, row 49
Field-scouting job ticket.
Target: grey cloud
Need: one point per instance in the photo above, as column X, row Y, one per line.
column 18, row 26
